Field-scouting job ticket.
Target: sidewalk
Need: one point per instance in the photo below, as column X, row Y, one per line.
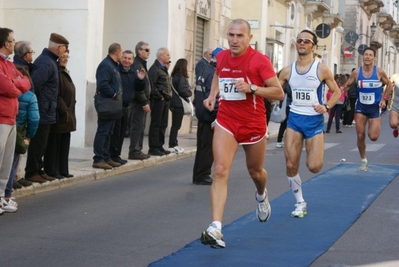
column 81, row 160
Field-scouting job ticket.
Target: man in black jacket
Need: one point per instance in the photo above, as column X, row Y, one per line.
column 140, row 104
column 45, row 79
column 130, row 80
column 204, row 155
column 352, row 95
column 108, row 85
column 160, row 98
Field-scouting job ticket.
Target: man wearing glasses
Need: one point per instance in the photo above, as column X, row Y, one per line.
column 306, row 77
column 203, row 63
column 140, row 103
column 23, row 55
column 45, row 79
column 12, row 85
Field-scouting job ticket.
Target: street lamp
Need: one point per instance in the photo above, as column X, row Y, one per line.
column 373, row 28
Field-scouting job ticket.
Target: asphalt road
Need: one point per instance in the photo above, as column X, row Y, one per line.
column 139, row 217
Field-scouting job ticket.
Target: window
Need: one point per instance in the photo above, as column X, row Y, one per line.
column 274, row 50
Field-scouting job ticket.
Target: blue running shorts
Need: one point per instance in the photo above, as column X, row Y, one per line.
column 370, row 111
column 306, row 125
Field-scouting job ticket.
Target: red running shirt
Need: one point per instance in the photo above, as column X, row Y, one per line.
column 254, row 68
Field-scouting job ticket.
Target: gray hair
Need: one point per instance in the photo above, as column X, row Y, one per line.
column 128, row 52
column 206, row 50
column 22, row 48
column 160, row 51
column 139, row 46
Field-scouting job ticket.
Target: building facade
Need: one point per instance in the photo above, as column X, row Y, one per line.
column 186, row 27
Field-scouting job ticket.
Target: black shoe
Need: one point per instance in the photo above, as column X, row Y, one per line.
column 203, row 181
column 24, row 182
column 68, row 175
column 16, row 185
column 328, row 131
column 155, row 152
column 57, row 176
column 166, row 152
column 339, row 131
column 138, row 156
column 121, row 161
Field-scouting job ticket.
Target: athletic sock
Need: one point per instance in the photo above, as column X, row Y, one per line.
column 217, row 224
column 260, row 198
column 364, row 160
column 296, row 187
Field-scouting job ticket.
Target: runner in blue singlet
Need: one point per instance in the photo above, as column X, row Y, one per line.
column 371, row 98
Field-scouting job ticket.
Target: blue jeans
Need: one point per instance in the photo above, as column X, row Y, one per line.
column 102, row 140
column 11, row 178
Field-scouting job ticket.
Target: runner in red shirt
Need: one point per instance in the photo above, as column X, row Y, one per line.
column 243, row 78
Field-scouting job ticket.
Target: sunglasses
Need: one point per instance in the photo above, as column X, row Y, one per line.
column 147, row 50
column 304, row 40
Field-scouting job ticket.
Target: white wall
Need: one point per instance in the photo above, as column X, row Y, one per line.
column 129, row 21
column 70, row 19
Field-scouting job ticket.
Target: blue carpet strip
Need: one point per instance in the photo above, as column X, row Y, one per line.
column 335, row 198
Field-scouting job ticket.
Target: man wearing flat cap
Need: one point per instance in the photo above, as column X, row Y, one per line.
column 46, row 83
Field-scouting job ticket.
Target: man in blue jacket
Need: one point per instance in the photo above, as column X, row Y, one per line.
column 46, row 83
column 108, row 85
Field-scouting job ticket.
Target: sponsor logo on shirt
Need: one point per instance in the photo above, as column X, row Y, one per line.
column 225, row 69
column 311, row 78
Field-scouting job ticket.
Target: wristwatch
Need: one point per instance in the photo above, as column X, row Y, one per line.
column 253, row 88
column 327, row 107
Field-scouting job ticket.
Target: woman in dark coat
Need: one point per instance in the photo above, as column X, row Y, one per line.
column 182, row 87
column 57, row 154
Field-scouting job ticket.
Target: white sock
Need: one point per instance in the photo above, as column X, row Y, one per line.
column 364, row 160
column 260, row 198
column 296, row 187
column 217, row 224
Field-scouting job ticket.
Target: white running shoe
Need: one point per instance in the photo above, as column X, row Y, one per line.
column 213, row 237
column 363, row 166
column 176, row 150
column 5, row 205
column 300, row 210
column 280, row 144
column 12, row 202
column 1, row 211
column 263, row 209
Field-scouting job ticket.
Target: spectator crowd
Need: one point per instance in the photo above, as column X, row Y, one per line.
column 41, row 98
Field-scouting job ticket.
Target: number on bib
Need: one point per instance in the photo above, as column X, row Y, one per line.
column 304, row 97
column 228, row 91
column 367, row 98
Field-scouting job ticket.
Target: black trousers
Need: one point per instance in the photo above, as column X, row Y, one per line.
column 57, row 154
column 177, row 118
column 159, row 122
column 204, row 156
column 283, row 126
column 138, row 119
column 335, row 111
column 118, row 135
column 348, row 115
column 36, row 150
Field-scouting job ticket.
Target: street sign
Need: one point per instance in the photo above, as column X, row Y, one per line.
column 351, row 37
column 323, row 30
column 348, row 52
column 361, row 48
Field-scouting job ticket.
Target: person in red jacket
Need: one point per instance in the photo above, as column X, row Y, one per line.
column 12, row 85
